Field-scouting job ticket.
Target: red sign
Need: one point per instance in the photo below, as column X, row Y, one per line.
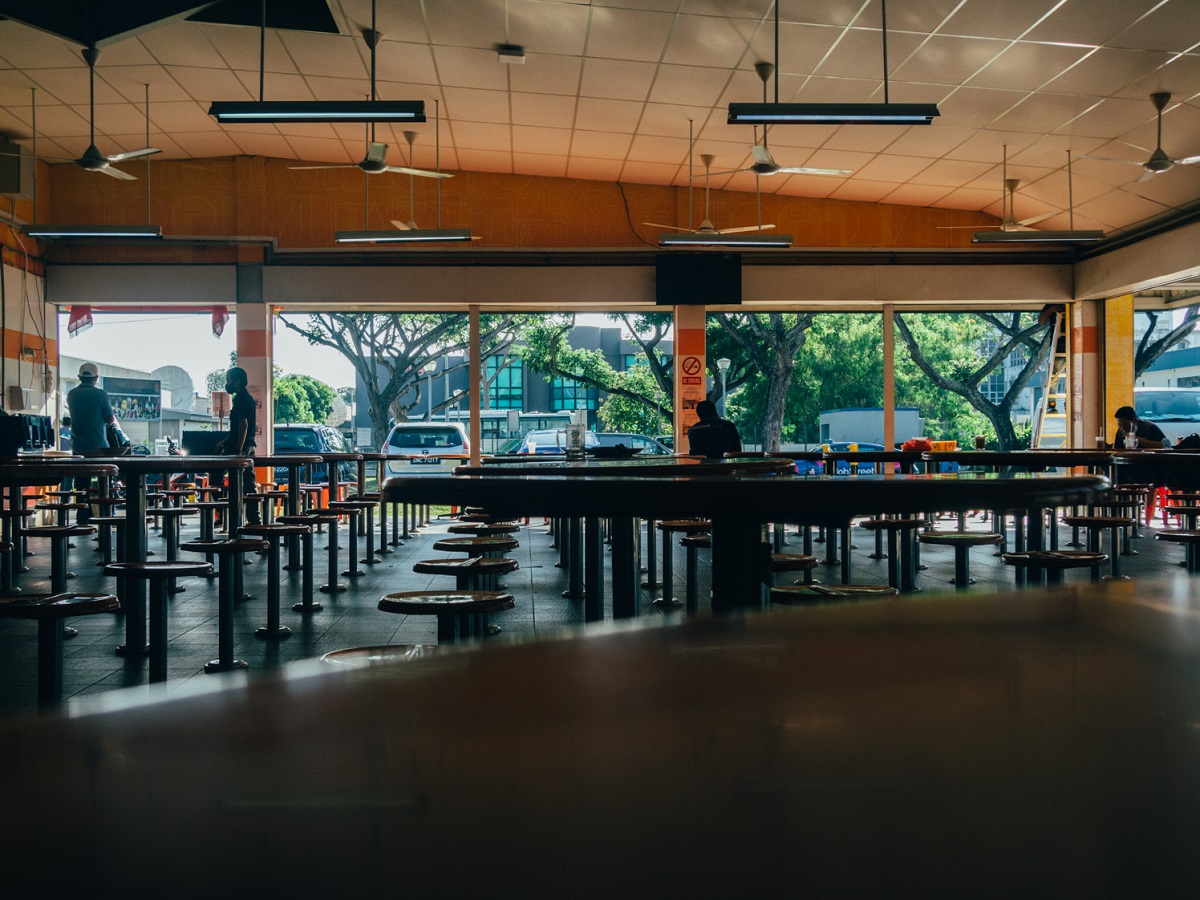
column 691, row 365
column 692, row 380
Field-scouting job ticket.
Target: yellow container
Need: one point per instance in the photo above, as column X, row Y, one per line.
column 943, row 446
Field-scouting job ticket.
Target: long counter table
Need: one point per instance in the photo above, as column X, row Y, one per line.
column 738, row 506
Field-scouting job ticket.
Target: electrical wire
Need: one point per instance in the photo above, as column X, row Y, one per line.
column 629, row 217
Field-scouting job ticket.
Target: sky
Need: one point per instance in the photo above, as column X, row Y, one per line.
column 148, row 341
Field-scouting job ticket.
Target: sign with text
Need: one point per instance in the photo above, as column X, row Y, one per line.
column 134, row 399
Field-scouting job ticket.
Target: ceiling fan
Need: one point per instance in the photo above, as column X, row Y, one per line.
column 706, row 226
column 411, row 224
column 93, row 160
column 1158, row 161
column 375, row 162
column 764, row 163
column 1008, row 220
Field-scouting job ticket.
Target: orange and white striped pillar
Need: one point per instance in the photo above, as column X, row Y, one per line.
column 691, row 371
column 1088, row 418
column 1118, row 359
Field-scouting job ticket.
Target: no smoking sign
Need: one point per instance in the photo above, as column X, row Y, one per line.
column 691, row 365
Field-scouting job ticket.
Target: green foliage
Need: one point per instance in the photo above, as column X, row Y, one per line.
column 291, row 402
column 619, row 412
column 215, row 380
column 319, row 395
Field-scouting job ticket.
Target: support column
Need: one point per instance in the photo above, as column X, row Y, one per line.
column 1088, row 414
column 1118, row 357
column 256, row 351
column 691, row 369
column 475, row 383
column 888, row 327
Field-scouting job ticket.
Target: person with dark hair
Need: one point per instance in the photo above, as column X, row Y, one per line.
column 713, row 436
column 1136, row 434
column 243, row 424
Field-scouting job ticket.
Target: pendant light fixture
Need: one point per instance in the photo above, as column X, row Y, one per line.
column 885, row 113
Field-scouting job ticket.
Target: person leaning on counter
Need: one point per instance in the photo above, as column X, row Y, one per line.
column 1137, row 434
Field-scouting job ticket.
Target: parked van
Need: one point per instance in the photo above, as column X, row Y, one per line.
column 1175, row 410
column 426, row 448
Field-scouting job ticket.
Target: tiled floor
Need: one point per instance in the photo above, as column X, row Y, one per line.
column 352, row 619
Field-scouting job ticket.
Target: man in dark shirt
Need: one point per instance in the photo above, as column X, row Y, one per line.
column 1143, row 435
column 713, row 436
column 91, row 413
column 243, row 423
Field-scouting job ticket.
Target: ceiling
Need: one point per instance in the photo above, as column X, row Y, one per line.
column 608, row 87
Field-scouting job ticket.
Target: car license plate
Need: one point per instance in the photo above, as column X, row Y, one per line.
column 426, row 460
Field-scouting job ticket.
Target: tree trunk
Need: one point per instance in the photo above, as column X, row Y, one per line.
column 777, row 391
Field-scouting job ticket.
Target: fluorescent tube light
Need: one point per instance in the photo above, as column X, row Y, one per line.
column 412, row 236
column 318, row 111
column 832, row 113
column 93, row 231
column 1044, row 237
column 749, row 239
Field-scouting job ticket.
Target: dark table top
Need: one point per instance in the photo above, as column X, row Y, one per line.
column 814, row 499
column 31, row 471
column 632, row 467
column 1003, row 745
column 155, row 464
column 1031, row 459
column 287, row 459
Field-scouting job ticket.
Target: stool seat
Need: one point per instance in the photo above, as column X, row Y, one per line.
column 819, row 593
column 1055, row 559
column 476, row 546
column 49, row 611
column 439, row 602
column 280, row 529
column 686, row 526
column 959, row 538
column 892, row 525
column 172, row 512
column 57, row 530
column 485, row 529
column 161, row 568
column 475, row 565
column 224, row 547
column 700, row 541
column 1179, row 536
column 56, row 606
column 1098, row 521
column 793, row 562
column 387, row 654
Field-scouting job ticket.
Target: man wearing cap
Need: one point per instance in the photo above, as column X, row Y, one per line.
column 90, row 413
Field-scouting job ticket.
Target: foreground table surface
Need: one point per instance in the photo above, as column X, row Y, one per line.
column 1007, row 745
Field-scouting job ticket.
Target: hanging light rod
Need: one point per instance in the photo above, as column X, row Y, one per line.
column 411, row 236
column 93, row 231
column 232, row 111
column 832, row 113
column 750, row 239
column 1038, row 237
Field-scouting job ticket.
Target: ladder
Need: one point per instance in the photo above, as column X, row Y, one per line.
column 1052, row 416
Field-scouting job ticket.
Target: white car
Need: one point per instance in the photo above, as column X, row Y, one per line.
column 1174, row 410
column 426, row 448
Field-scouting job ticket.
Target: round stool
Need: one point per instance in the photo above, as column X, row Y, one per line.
column 273, row 534
column 902, row 571
column 815, row 594
column 59, row 536
column 1055, row 562
column 158, row 573
column 694, row 543
column 385, row 655
column 668, row 528
column 962, row 542
column 224, row 549
column 477, row 546
column 49, row 611
column 477, row 573
column 461, row 615
column 306, row 604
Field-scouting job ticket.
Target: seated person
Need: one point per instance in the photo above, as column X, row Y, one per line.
column 713, row 436
column 1145, row 435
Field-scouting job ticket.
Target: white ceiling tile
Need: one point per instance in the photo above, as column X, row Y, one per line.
column 934, row 141
column 671, row 120
column 404, row 63
column 801, row 48
column 475, row 106
column 1108, row 71
column 612, row 79
column 485, row 160
column 628, row 34
column 709, row 41
column 1026, row 67
column 862, row 191
column 479, row 24
column 896, row 169
column 206, row 85
column 614, row 115
column 543, row 28
column 970, row 199
column 860, row 54
column 333, row 55
column 28, row 49
column 649, row 148
column 1093, row 24
column 947, row 60
column 837, row 90
column 868, row 140
column 546, row 110
column 600, row 145
column 1170, row 26
column 915, row 195
column 239, row 48
column 547, row 74
column 205, row 144
column 970, row 107
column 526, row 139
column 689, row 85
column 469, row 67
column 593, row 169
column 1005, row 21
column 1116, row 116
column 1120, row 207
column 742, row 9
column 545, row 166
column 183, row 116
column 1045, row 112
column 648, row 172
column 950, row 173
column 838, row 159
column 252, row 144
column 482, row 136
column 182, row 44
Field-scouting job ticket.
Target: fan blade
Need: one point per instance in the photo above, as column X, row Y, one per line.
column 1188, row 161
column 321, row 167
column 729, row 172
column 422, row 173
column 762, row 156
column 1150, row 173
column 1036, row 219
column 671, row 228
column 133, row 154
column 804, row 170
column 744, row 230
column 116, row 173
column 972, row 227
column 377, row 152
column 402, row 226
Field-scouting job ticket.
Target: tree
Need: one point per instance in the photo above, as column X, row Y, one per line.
column 1150, row 348
column 320, row 395
column 215, row 380
column 766, row 346
column 291, row 402
column 621, row 412
column 961, row 367
column 389, row 352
